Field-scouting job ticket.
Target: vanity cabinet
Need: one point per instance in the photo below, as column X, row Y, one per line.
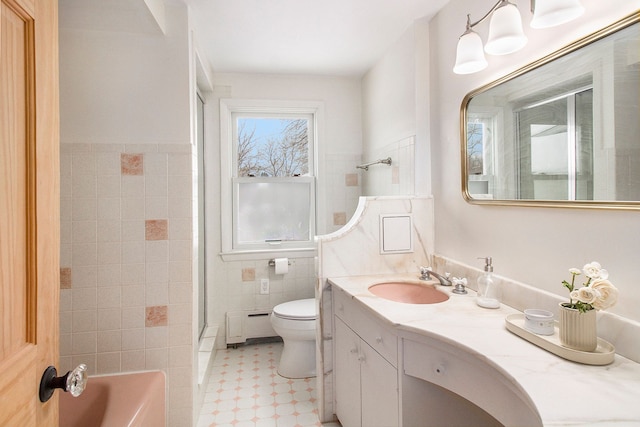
column 448, row 386
column 387, row 378
column 366, row 377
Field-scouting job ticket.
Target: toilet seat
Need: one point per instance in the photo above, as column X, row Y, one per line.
column 304, row 309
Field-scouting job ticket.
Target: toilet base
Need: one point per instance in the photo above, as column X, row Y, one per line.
column 298, row 359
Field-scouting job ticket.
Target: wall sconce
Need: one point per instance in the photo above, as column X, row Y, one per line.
column 505, row 30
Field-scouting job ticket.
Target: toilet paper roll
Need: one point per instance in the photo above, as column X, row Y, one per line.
column 282, row 265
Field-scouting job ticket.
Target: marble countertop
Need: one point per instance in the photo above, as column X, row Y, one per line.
column 564, row 392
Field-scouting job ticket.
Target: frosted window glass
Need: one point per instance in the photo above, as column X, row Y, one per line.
column 273, row 211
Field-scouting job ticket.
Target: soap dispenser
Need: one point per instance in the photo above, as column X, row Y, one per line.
column 488, row 289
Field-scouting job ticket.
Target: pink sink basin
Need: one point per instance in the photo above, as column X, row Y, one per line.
column 410, row 293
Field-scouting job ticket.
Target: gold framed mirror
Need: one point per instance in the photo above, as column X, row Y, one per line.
column 563, row 131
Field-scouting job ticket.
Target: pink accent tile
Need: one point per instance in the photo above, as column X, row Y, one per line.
column 156, row 316
column 351, row 179
column 156, row 229
column 395, row 175
column 339, row 218
column 131, row 164
column 65, row 278
column 248, row 275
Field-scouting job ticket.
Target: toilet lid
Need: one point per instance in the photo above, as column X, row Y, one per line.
column 303, row 309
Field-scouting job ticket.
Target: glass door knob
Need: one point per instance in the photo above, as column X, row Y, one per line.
column 73, row 381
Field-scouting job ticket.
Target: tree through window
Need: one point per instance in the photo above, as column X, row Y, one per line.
column 272, row 147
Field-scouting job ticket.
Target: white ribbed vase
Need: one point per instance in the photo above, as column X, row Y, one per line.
column 578, row 330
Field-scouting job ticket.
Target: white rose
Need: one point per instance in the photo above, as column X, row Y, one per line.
column 585, row 295
column 594, row 270
column 608, row 294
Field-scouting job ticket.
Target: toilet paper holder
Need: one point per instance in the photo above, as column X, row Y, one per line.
column 272, row 262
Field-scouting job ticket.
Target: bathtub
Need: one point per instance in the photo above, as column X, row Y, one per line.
column 136, row 399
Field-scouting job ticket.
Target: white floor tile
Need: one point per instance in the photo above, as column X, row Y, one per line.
column 246, row 390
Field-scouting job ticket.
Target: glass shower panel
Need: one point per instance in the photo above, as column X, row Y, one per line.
column 584, row 145
column 544, row 157
column 556, row 148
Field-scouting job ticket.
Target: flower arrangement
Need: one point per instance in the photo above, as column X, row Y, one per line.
column 596, row 292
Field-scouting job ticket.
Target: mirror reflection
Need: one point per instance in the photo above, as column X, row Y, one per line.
column 564, row 130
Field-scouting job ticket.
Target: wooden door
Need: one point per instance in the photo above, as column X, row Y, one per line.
column 29, row 208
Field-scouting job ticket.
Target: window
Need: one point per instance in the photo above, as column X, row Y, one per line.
column 480, row 147
column 268, row 166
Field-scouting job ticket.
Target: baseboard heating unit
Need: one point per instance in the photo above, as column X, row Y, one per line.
column 247, row 324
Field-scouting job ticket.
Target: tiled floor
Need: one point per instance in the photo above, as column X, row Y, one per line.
column 245, row 390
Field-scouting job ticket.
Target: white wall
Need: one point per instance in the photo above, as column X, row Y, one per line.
column 395, row 104
column 126, row 87
column 339, row 152
column 388, row 95
column 532, row 245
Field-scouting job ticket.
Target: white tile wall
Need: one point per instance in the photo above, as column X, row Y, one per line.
column 116, row 273
column 232, row 293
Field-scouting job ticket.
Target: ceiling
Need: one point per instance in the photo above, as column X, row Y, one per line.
column 317, row 37
column 322, row 37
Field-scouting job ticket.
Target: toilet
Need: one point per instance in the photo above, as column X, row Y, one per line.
column 295, row 322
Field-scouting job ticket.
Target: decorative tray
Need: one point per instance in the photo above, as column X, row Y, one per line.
column 602, row 355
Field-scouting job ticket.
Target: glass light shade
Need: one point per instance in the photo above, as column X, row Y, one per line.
column 549, row 13
column 505, row 31
column 469, row 55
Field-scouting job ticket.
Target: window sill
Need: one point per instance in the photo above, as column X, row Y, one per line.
column 267, row 254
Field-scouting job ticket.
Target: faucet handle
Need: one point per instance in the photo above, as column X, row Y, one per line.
column 459, row 285
column 425, row 273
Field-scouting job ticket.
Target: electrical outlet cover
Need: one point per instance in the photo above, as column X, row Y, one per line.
column 264, row 286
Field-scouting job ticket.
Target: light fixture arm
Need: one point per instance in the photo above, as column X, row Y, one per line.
column 484, row 18
column 505, row 30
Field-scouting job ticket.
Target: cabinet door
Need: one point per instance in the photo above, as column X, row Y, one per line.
column 379, row 383
column 347, row 375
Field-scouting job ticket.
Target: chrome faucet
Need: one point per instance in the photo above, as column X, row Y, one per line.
column 427, row 272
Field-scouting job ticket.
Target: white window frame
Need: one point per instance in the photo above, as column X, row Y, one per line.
column 229, row 108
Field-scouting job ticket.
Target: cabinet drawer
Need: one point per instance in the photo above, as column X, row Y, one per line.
column 373, row 332
column 472, row 378
column 439, row 367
